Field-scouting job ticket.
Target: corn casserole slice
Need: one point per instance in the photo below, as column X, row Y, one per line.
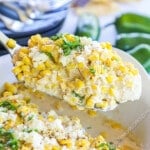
column 24, row 127
column 82, row 72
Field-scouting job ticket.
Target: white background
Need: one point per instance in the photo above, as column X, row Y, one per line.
column 109, row 34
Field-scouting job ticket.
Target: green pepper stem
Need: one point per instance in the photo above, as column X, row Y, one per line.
column 107, row 25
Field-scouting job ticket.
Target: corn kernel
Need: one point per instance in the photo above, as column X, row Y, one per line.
column 55, row 55
column 48, row 64
column 79, row 84
column 5, row 94
column 94, row 56
column 70, row 37
column 98, row 141
column 41, row 67
column 113, row 124
column 43, row 41
column 90, row 102
column 58, row 105
column 111, row 91
column 26, row 60
column 109, row 79
column 56, row 148
column 104, row 134
column 80, row 65
column 94, row 87
column 85, row 73
column 25, row 68
column 16, row 70
column 122, row 68
column 115, row 57
column 104, row 89
column 25, row 50
column 21, row 54
column 106, row 45
column 36, row 37
column 70, row 85
column 92, row 113
column 59, row 78
column 9, row 124
column 59, row 42
column 108, row 62
column 84, row 143
column 10, row 87
column 11, row 43
column 34, row 71
column 102, row 105
column 26, row 147
column 47, row 48
column 66, row 142
column 26, row 73
column 45, row 72
column 51, row 118
column 20, row 77
column 134, row 72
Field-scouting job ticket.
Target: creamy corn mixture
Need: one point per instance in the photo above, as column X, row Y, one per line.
column 23, row 127
column 78, row 70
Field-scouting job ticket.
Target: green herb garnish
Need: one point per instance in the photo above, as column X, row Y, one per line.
column 78, row 96
column 50, row 56
column 8, row 140
column 92, row 71
column 109, row 146
column 67, row 45
column 30, row 130
column 7, row 105
column 56, row 37
column 30, row 117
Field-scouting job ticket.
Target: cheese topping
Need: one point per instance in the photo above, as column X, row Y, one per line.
column 78, row 70
column 24, row 127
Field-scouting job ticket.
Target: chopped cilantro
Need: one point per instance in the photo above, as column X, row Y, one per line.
column 30, row 130
column 7, row 105
column 8, row 140
column 78, row 96
column 67, row 45
column 92, row 71
column 55, row 37
column 50, row 56
column 30, row 117
column 109, row 146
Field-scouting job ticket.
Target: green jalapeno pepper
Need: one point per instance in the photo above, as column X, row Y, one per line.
column 126, row 41
column 130, row 22
column 142, row 54
column 88, row 25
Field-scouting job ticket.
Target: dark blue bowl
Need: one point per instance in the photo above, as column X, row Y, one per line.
column 49, row 25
